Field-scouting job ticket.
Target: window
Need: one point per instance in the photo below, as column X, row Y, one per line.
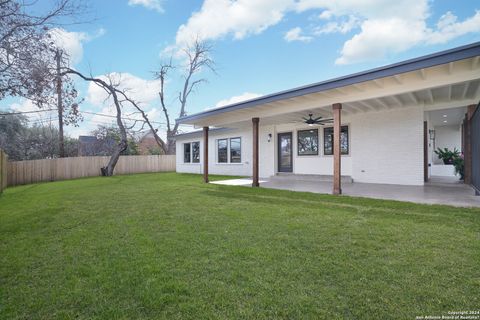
column 186, row 153
column 235, row 150
column 222, row 150
column 196, row 152
column 328, row 140
column 307, row 142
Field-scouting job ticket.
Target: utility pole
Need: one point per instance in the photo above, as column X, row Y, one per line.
column 58, row 57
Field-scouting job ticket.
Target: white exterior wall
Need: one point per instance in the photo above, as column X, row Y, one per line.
column 385, row 147
column 266, row 154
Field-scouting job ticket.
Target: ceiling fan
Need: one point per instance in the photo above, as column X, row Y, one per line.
column 319, row 120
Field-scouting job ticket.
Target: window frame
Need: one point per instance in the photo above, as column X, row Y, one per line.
column 218, row 151
column 189, row 152
column 318, row 143
column 230, row 150
column 348, row 140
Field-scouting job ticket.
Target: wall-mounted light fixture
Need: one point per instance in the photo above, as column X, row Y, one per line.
column 432, row 134
column 269, row 137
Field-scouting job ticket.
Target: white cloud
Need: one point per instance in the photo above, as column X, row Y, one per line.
column 236, row 99
column 338, row 26
column 448, row 28
column 25, row 105
column 295, row 34
column 382, row 26
column 149, row 4
column 380, row 37
column 327, row 14
column 219, row 18
column 72, row 42
column 141, row 90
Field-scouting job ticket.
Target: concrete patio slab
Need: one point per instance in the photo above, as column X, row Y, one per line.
column 235, row 182
column 454, row 194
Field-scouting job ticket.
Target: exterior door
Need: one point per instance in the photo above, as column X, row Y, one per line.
column 285, row 161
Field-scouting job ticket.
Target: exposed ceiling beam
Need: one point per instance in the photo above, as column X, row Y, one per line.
column 449, row 92
column 350, row 109
column 430, row 95
column 475, row 62
column 360, row 106
column 354, row 107
column 466, row 86
column 423, row 74
column 398, row 101
column 398, row 78
column 441, row 105
column 367, row 105
column 378, row 83
column 382, row 103
column 450, row 67
column 342, row 92
column 358, row 88
column 413, row 97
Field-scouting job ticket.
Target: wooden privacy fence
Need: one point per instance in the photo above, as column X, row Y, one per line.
column 3, row 170
column 32, row 171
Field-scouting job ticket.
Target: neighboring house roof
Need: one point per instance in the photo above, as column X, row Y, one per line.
column 90, row 146
column 87, row 139
column 438, row 58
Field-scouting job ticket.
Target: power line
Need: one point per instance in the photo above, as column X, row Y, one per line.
column 25, row 112
column 123, row 118
column 86, row 112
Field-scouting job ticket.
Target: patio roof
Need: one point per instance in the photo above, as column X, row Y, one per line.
column 388, row 80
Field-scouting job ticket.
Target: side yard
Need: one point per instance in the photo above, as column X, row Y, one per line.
column 167, row 246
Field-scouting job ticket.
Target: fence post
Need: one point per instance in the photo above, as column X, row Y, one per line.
column 3, row 170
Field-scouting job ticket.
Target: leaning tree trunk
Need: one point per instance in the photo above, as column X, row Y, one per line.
column 108, row 170
column 123, row 144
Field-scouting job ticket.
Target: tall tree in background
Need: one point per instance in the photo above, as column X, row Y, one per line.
column 24, row 141
column 27, row 65
column 24, row 49
column 198, row 58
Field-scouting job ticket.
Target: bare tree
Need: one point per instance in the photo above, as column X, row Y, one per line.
column 112, row 90
column 198, row 59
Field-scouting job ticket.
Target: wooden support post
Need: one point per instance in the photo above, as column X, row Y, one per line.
column 337, row 154
column 255, row 153
column 467, row 152
column 205, row 154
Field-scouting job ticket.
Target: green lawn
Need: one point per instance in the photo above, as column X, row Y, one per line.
column 167, row 246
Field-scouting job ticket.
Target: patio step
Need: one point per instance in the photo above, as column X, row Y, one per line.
column 282, row 176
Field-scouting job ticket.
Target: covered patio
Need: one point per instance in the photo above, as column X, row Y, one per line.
column 434, row 192
column 375, row 128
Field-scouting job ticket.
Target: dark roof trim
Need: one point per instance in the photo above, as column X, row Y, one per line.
column 442, row 57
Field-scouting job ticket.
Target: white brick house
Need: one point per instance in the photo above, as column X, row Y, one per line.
column 386, row 117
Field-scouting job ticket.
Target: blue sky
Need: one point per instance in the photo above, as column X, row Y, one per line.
column 260, row 46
